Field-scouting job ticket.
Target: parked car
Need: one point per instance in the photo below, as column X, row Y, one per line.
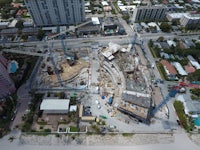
column 99, row 107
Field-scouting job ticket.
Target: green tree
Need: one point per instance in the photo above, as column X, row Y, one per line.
column 176, row 40
column 19, row 24
column 150, row 43
column 175, row 23
column 194, row 76
column 184, row 62
column 4, row 15
column 165, row 27
column 40, row 34
column 62, row 95
column 5, row 2
column 179, row 107
column 195, row 92
column 25, row 37
column 160, row 39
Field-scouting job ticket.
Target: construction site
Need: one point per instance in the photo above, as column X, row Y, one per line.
column 130, row 78
column 114, row 80
column 61, row 67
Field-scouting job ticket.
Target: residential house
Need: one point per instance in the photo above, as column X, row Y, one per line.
column 169, row 70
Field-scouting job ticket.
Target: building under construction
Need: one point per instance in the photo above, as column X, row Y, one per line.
column 137, row 105
column 136, row 98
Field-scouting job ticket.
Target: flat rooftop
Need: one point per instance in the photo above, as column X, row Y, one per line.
column 176, row 15
column 54, row 104
column 139, row 99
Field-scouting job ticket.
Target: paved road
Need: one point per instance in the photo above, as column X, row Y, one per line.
column 154, row 36
column 74, row 42
column 171, row 122
column 23, row 98
column 23, row 52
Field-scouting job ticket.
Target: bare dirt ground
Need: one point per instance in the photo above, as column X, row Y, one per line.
column 70, row 71
column 97, row 140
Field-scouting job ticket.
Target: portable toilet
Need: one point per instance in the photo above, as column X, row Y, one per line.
column 110, row 100
column 103, row 97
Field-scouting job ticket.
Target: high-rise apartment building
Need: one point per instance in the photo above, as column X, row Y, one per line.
column 191, row 21
column 7, row 86
column 149, row 13
column 56, row 12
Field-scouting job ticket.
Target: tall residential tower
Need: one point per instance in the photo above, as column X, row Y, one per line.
column 190, row 21
column 7, row 86
column 56, row 12
column 149, row 13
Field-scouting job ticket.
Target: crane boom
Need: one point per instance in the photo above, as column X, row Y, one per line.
column 64, row 48
column 63, row 32
column 133, row 42
column 171, row 94
column 54, row 65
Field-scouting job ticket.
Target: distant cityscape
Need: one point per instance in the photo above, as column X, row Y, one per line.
column 99, row 67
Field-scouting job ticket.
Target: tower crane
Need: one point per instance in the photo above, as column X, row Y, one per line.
column 171, row 94
column 64, row 48
column 133, row 43
column 54, row 65
column 69, row 57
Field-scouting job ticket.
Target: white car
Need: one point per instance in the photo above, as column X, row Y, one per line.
column 97, row 102
column 99, row 107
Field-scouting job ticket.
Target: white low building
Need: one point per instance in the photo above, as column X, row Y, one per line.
column 129, row 8
column 104, row 3
column 119, row 3
column 153, row 24
column 136, row 2
column 87, row 4
column 95, row 20
column 171, row 43
column 180, row 69
column 55, row 106
column 4, row 25
column 191, row 108
column 193, row 62
column 13, row 23
column 175, row 16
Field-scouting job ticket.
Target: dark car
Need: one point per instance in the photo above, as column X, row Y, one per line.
column 179, row 123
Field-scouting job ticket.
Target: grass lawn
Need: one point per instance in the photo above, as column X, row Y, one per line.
column 181, row 114
column 161, row 71
column 73, row 129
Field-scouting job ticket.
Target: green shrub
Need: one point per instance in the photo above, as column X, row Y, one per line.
column 127, row 134
column 47, row 130
column 181, row 115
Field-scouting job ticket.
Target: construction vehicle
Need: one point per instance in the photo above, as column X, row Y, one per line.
column 103, row 117
column 69, row 56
